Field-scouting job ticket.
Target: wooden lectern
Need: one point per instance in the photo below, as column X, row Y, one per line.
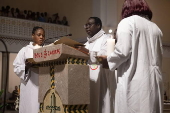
column 64, row 85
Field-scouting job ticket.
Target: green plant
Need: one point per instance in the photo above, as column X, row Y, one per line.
column 1, row 105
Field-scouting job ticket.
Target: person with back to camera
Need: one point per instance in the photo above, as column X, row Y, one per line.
column 138, row 59
column 102, row 87
column 29, row 76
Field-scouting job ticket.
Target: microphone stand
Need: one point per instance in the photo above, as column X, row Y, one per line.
column 54, row 38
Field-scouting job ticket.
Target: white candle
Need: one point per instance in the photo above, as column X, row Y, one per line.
column 110, row 45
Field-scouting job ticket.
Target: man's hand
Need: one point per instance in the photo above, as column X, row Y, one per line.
column 103, row 61
column 83, row 49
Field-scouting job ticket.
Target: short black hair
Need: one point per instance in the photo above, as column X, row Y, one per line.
column 97, row 21
column 36, row 28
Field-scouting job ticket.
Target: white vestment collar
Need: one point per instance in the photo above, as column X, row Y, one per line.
column 32, row 46
column 96, row 36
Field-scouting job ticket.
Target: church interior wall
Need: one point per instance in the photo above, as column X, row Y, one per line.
column 166, row 75
column 76, row 11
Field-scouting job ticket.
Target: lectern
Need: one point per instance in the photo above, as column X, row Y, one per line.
column 64, row 85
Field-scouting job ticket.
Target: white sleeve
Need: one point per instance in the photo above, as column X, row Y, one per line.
column 123, row 46
column 103, row 50
column 19, row 65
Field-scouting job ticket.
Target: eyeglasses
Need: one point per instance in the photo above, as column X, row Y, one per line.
column 88, row 25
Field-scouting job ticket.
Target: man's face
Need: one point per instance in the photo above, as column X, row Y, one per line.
column 91, row 28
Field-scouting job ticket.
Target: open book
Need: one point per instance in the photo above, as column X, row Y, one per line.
column 68, row 41
column 72, row 43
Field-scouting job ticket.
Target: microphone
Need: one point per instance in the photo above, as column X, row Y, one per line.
column 54, row 38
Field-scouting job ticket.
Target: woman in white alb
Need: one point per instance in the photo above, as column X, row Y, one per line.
column 138, row 59
column 29, row 76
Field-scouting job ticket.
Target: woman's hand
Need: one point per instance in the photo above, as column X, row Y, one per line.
column 28, row 64
column 103, row 61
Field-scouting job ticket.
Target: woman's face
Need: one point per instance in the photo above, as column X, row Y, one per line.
column 38, row 37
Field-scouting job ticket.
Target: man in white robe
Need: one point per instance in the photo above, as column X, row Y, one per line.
column 138, row 58
column 102, row 80
column 29, row 76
